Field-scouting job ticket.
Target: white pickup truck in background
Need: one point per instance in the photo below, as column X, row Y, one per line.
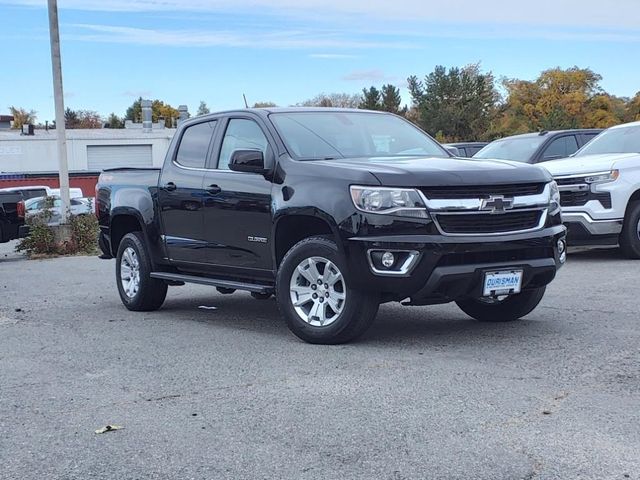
column 600, row 190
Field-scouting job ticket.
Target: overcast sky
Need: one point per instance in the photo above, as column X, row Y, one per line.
column 184, row 51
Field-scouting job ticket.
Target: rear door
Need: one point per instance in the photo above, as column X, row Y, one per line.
column 180, row 194
column 237, row 208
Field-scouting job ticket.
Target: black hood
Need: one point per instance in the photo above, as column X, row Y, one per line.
column 439, row 171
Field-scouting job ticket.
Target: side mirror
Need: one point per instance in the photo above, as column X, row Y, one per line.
column 452, row 150
column 250, row 161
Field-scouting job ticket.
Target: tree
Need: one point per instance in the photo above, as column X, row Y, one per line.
column 340, row 100
column 203, row 109
column 82, row 119
column 569, row 98
column 371, row 99
column 391, row 99
column 22, row 116
column 71, row 118
column 632, row 110
column 159, row 110
column 264, row 105
column 460, row 103
column 114, row 121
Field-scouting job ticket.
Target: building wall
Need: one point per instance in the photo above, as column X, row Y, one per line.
column 39, row 153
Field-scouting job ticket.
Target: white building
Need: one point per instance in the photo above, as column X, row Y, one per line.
column 88, row 150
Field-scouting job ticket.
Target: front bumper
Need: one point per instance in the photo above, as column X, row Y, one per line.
column 450, row 268
column 584, row 230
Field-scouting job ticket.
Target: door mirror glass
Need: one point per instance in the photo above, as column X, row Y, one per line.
column 250, row 161
column 452, row 150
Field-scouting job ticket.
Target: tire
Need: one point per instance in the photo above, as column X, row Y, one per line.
column 2, row 230
column 150, row 292
column 512, row 308
column 630, row 236
column 104, row 246
column 347, row 313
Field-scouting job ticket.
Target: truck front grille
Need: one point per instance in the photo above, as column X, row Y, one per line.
column 570, row 198
column 483, row 191
column 478, row 224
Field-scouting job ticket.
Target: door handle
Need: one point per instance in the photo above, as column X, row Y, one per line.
column 213, row 189
column 169, row 186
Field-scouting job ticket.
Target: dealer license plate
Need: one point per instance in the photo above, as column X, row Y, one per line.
column 503, row 282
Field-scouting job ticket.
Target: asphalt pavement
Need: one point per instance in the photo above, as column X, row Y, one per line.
column 229, row 393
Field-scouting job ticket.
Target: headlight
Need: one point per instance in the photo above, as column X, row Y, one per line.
column 405, row 202
column 554, row 198
column 602, row 177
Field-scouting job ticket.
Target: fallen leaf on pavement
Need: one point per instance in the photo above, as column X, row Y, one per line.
column 109, row 428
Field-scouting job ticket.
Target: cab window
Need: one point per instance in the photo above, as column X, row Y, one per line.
column 241, row 134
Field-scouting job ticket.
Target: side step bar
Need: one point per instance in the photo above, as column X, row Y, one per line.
column 249, row 287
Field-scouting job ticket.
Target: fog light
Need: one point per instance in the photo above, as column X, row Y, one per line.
column 562, row 251
column 388, row 259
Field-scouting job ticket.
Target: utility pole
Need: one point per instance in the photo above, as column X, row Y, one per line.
column 56, row 67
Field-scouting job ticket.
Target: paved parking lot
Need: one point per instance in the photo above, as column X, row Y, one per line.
column 230, row 393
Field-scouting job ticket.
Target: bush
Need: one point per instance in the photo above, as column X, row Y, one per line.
column 42, row 238
column 41, row 241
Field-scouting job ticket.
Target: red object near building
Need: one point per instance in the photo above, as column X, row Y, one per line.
column 84, row 180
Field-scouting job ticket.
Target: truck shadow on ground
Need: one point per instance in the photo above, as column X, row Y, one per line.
column 394, row 324
column 578, row 254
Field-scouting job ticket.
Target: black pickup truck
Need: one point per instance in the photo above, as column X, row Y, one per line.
column 11, row 215
column 333, row 212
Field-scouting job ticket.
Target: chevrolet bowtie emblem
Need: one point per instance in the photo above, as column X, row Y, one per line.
column 496, row 204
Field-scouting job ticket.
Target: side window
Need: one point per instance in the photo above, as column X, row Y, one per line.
column 194, row 145
column 471, row 151
column 241, row 134
column 587, row 137
column 560, row 148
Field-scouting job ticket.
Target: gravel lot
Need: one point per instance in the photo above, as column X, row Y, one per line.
column 230, row 393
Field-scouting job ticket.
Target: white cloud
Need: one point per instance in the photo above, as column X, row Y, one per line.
column 282, row 39
column 331, row 56
column 369, row 75
column 569, row 13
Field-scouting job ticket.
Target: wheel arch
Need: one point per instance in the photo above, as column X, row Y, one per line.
column 292, row 228
column 124, row 222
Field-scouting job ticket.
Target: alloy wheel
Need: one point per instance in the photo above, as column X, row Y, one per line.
column 130, row 272
column 318, row 291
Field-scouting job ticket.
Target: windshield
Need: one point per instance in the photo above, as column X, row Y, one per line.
column 329, row 135
column 614, row 140
column 520, row 149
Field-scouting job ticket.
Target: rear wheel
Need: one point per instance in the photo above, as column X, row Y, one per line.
column 313, row 294
column 138, row 291
column 508, row 309
column 630, row 236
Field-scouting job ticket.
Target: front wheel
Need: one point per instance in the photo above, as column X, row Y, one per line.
column 315, row 298
column 511, row 308
column 630, row 236
column 138, row 291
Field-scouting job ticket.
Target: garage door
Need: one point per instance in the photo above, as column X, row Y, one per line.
column 100, row 157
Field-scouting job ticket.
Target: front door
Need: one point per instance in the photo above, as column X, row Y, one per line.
column 237, row 209
column 180, row 194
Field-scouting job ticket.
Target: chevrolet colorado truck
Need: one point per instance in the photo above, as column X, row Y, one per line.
column 600, row 190
column 334, row 212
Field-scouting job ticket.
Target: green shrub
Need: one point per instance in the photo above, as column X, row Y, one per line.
column 42, row 238
column 84, row 233
column 41, row 241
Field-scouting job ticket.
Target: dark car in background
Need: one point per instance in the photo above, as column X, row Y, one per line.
column 538, row 147
column 11, row 215
column 467, row 149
